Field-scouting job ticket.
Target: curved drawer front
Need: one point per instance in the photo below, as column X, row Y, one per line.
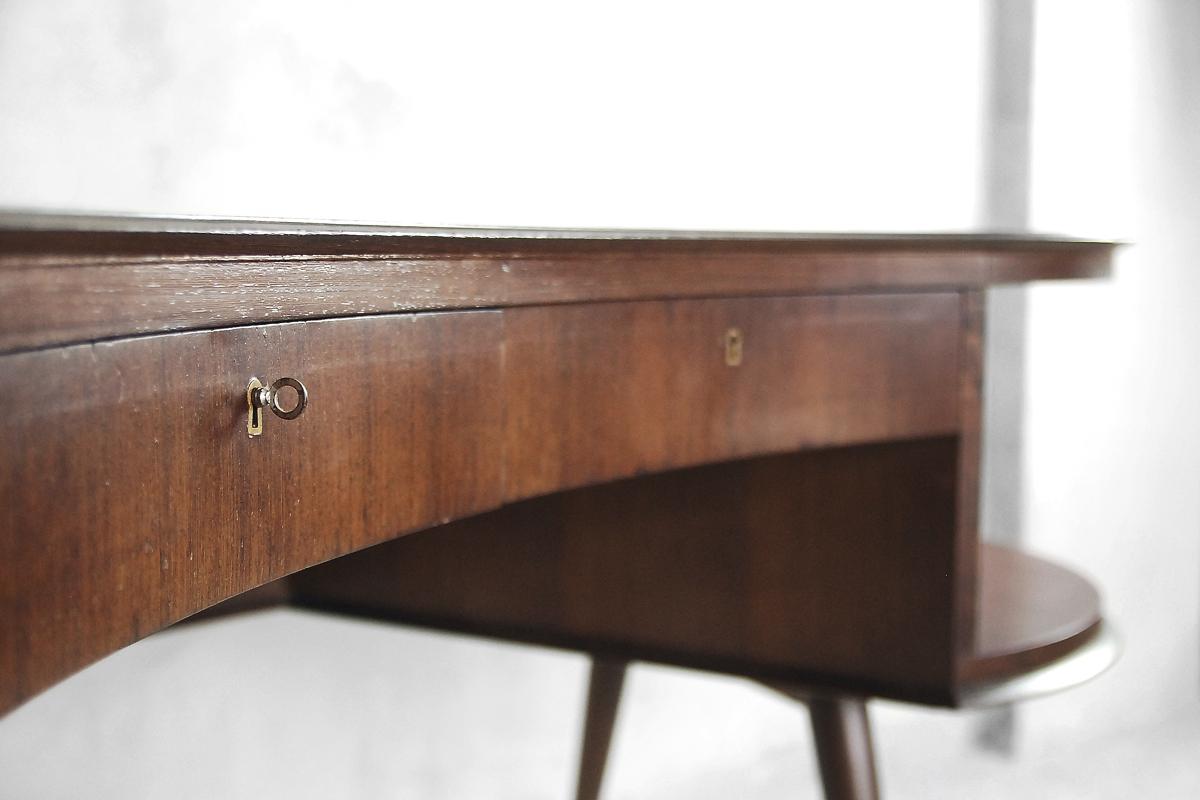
column 132, row 495
column 603, row 391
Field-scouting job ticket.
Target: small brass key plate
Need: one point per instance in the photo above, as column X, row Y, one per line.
column 254, row 399
column 733, row 347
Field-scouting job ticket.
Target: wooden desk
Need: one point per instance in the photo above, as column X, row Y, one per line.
column 748, row 452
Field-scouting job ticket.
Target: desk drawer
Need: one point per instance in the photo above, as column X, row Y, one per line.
column 132, row 495
column 604, row 391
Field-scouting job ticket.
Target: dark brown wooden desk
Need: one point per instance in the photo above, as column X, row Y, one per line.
column 747, row 452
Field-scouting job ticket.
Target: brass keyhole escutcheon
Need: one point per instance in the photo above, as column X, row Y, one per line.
column 260, row 397
column 733, row 347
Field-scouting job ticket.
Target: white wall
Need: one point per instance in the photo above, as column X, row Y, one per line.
column 1113, row 425
column 854, row 115
column 690, row 114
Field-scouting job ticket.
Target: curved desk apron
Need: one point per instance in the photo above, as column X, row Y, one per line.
column 749, row 452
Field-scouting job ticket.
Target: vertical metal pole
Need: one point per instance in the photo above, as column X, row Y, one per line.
column 1006, row 192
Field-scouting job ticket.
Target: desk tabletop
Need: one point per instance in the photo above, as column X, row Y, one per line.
column 69, row 278
column 296, row 229
column 791, row 423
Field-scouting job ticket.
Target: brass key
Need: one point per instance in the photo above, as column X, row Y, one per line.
column 259, row 397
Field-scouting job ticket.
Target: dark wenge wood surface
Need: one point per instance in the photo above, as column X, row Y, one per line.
column 132, row 496
column 831, row 567
column 804, row 512
column 603, row 391
column 67, row 279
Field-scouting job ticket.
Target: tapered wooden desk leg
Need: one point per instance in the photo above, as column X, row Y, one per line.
column 604, row 696
column 842, row 733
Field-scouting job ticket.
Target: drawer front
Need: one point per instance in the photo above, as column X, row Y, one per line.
column 597, row 392
column 133, row 496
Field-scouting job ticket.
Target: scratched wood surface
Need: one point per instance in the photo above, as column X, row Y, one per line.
column 70, row 279
column 133, row 497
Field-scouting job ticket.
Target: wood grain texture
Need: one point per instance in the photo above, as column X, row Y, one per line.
column 133, row 496
column 65, row 279
column 144, row 438
column 604, row 391
column 829, row 567
column 712, row 594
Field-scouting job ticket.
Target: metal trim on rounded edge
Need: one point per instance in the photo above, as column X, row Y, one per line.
column 1081, row 666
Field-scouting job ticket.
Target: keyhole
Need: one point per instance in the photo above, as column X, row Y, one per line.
column 733, row 347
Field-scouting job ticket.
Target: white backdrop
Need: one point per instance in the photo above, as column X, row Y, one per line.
column 1112, row 435
column 754, row 115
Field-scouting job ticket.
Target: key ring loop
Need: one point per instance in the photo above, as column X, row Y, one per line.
column 301, row 398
